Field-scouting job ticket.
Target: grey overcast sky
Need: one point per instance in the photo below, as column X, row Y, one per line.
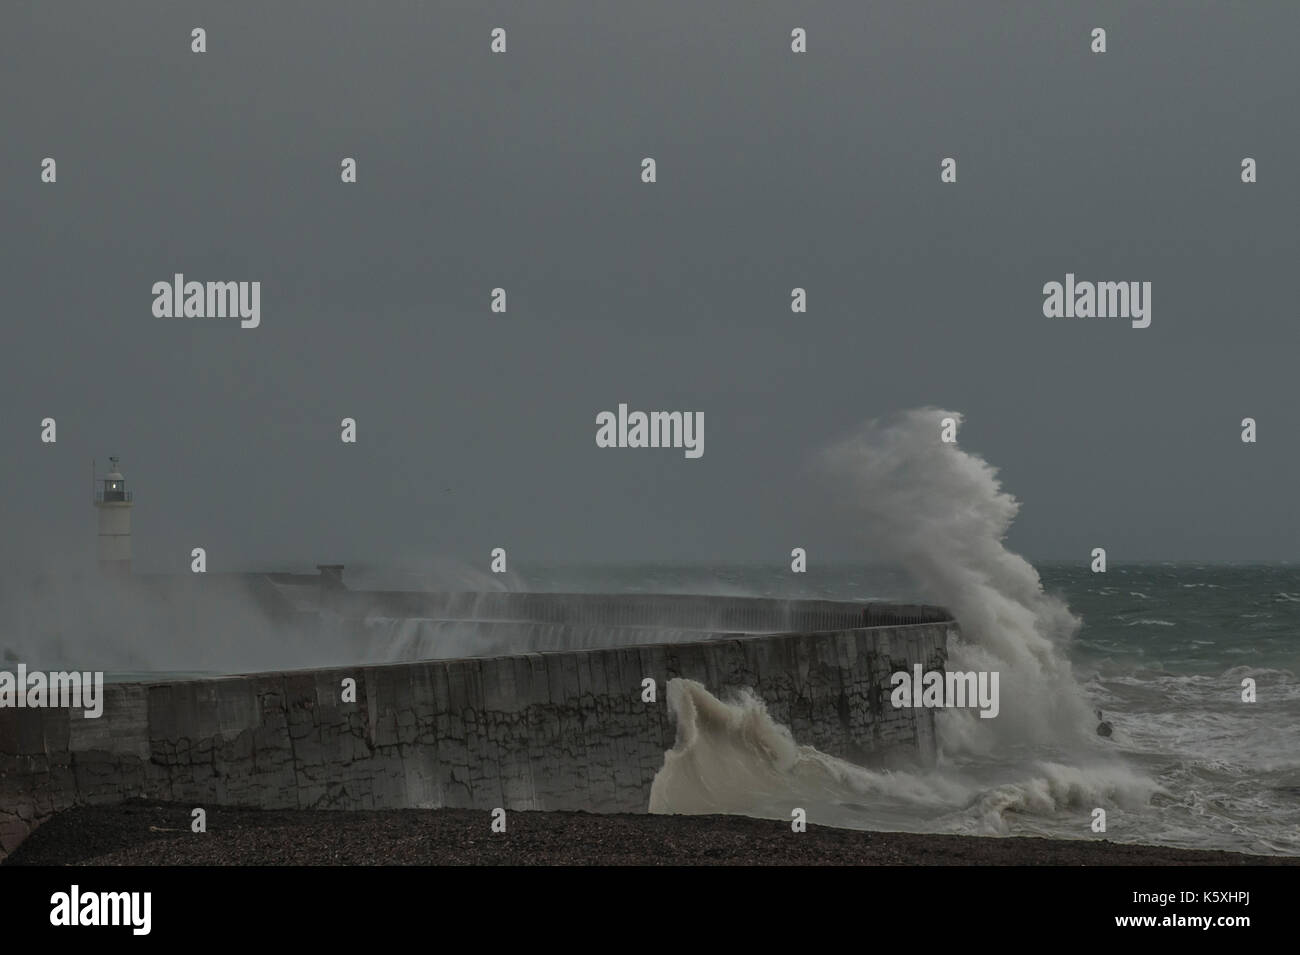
column 522, row 170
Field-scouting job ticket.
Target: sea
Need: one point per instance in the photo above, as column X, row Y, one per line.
column 1192, row 667
column 1167, row 652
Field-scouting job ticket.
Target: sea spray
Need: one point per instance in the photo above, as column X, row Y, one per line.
column 732, row 757
column 941, row 513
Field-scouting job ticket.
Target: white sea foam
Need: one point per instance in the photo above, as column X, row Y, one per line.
column 941, row 513
column 732, row 757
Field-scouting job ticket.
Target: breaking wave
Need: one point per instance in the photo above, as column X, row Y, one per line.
column 942, row 514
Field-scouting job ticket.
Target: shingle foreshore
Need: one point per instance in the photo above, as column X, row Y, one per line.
column 159, row 834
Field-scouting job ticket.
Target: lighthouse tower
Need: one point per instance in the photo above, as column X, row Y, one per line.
column 114, row 503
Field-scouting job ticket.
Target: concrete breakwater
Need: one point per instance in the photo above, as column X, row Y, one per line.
column 529, row 730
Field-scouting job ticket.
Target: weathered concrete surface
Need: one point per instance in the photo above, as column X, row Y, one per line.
column 563, row 730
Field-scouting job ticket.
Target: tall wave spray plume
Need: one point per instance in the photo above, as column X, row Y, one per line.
column 941, row 513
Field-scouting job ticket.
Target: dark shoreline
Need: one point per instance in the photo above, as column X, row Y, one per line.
column 158, row 834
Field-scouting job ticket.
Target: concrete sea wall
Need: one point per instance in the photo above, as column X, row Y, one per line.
column 562, row 730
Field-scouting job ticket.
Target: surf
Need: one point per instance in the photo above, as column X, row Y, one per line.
column 940, row 513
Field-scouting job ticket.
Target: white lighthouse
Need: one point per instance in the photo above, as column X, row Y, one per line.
column 114, row 503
